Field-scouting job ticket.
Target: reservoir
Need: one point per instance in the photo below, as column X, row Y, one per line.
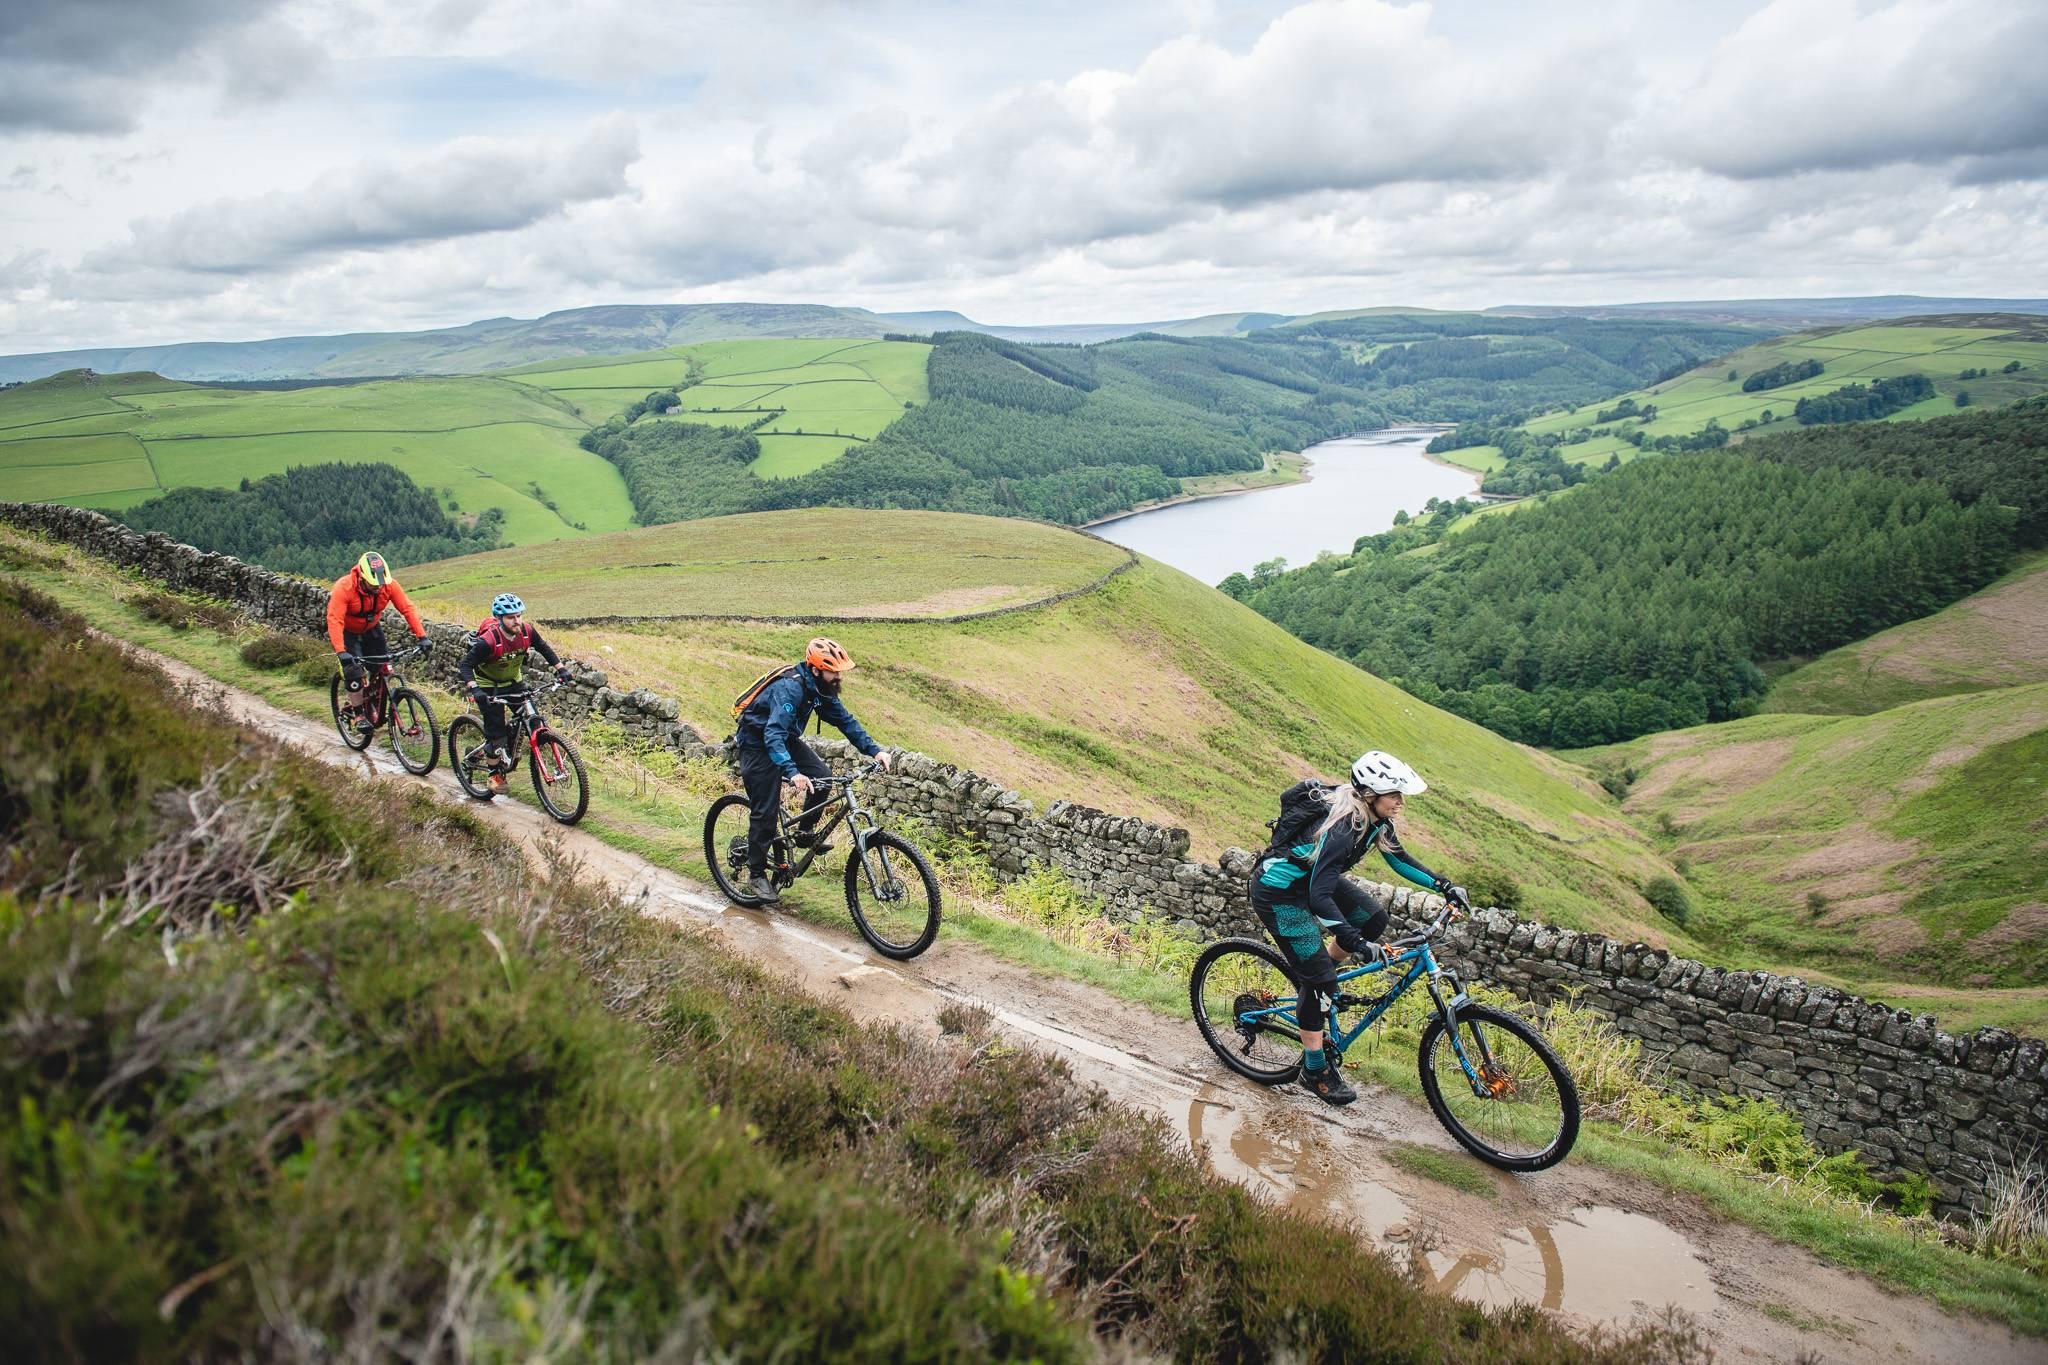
column 1356, row 484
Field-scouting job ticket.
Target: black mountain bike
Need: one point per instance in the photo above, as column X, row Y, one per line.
column 891, row 890
column 387, row 701
column 557, row 767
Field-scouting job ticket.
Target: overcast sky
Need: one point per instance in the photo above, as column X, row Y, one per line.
column 229, row 169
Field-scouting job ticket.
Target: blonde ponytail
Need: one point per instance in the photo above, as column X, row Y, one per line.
column 1345, row 804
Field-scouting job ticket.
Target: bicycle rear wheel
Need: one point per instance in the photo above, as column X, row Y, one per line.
column 466, row 756
column 356, row 739
column 415, row 734
column 894, row 897
column 558, row 778
column 1518, row 1108
column 725, row 847
column 1243, row 998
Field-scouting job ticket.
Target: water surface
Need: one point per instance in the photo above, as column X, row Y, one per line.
column 1357, row 483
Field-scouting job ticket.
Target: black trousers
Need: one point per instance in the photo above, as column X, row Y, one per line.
column 492, row 711
column 1299, row 936
column 370, row 641
column 764, row 793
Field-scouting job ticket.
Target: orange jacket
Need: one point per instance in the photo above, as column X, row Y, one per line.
column 353, row 609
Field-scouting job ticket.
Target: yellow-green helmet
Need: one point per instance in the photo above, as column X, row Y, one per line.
column 372, row 569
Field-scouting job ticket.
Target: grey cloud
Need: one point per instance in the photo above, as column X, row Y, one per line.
column 1829, row 85
column 474, row 186
column 85, row 66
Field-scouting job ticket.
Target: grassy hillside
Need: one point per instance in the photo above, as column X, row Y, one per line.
column 1939, row 347
column 320, row 1060
column 1902, row 844
column 1154, row 696
column 816, row 397
column 111, row 441
column 1991, row 639
column 820, row 561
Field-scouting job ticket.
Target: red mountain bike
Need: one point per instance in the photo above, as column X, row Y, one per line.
column 557, row 768
column 387, row 701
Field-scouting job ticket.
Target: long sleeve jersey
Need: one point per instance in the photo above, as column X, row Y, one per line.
column 782, row 710
column 353, row 609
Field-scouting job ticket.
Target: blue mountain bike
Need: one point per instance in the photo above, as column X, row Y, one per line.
column 1489, row 1076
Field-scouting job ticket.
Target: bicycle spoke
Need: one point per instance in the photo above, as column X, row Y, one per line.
column 1498, row 1088
column 1244, row 1004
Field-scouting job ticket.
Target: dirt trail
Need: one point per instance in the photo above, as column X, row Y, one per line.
column 1589, row 1244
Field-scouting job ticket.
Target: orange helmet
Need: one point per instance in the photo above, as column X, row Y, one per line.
column 827, row 657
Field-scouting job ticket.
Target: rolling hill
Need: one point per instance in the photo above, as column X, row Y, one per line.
column 112, row 441
column 1994, row 638
column 1942, row 347
column 1152, row 695
column 609, row 330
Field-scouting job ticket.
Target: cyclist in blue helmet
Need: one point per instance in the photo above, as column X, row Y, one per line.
column 495, row 667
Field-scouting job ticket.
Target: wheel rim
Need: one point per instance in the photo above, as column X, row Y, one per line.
column 896, row 906
column 342, row 725
column 412, row 732
column 1518, row 1111
column 725, row 847
column 557, row 779
column 1242, row 1007
column 465, row 756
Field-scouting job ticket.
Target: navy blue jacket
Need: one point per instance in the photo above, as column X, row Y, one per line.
column 783, row 709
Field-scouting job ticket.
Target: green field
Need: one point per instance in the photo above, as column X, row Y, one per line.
column 820, row 562
column 1851, row 355
column 112, row 441
column 1994, row 638
column 819, row 396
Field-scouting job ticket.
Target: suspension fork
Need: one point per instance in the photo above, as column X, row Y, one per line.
column 861, row 825
column 1447, row 1009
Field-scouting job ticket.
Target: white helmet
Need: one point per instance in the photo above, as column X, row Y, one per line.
column 1377, row 774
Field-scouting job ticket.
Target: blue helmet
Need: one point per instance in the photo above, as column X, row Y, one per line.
column 507, row 604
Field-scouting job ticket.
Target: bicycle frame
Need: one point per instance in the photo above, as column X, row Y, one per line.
column 523, row 721
column 1418, row 964
column 846, row 809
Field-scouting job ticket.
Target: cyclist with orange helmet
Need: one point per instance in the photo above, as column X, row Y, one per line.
column 355, row 605
column 772, row 751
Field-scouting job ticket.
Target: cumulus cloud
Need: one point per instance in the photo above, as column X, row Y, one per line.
column 474, row 185
column 1836, row 85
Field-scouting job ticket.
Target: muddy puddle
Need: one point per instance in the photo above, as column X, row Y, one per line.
column 1602, row 1263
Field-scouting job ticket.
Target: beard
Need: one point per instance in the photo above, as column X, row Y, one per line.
column 828, row 684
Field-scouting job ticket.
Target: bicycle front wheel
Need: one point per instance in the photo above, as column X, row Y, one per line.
column 415, row 734
column 893, row 895
column 345, row 726
column 558, row 778
column 1243, row 998
column 1516, row 1107
column 466, row 749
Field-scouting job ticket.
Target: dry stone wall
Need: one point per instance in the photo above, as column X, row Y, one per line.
column 1861, row 1075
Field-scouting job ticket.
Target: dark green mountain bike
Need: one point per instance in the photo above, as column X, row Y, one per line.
column 891, row 890
column 1489, row 1076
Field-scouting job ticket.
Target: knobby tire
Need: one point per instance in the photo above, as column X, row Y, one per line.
column 904, row 935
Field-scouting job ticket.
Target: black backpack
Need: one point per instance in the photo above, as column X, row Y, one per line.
column 1303, row 808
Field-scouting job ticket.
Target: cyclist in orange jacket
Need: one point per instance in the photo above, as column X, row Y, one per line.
column 354, row 607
